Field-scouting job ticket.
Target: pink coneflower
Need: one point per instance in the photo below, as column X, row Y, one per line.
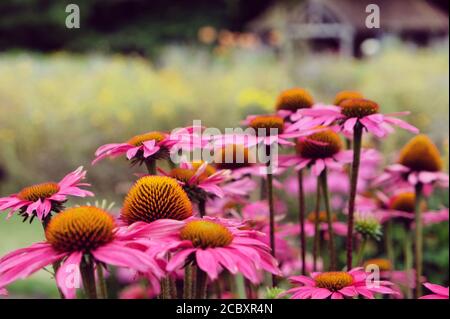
column 438, row 292
column 291, row 100
column 40, row 199
column 215, row 244
column 419, row 163
column 356, row 110
column 83, row 239
column 337, row 285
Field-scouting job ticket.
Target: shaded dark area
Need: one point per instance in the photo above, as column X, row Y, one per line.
column 118, row 25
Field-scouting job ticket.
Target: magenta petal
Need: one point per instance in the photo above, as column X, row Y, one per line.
column 320, row 293
column 68, row 276
column 178, row 259
column 207, row 263
column 337, row 295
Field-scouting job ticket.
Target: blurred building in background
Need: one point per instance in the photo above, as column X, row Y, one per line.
column 340, row 25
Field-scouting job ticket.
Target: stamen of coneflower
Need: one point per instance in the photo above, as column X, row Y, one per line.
column 206, row 234
column 345, row 95
column 138, row 140
column 333, row 280
column 420, row 154
column 38, row 191
column 156, row 197
column 294, row 99
column 233, row 156
column 382, row 263
column 358, row 107
column 322, row 144
column 266, row 124
column 80, row 229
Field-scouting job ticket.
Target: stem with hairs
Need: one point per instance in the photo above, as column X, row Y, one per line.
column 151, row 166
column 357, row 138
column 360, row 255
column 301, row 216
column 271, row 209
column 202, row 284
column 88, row 276
column 102, row 291
column 408, row 261
column 316, row 243
column 326, row 199
column 418, row 245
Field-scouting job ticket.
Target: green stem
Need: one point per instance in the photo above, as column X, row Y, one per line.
column 88, row 277
column 326, row 199
column 240, row 286
column 357, row 138
column 301, row 216
column 151, row 166
column 316, row 243
column 418, row 240
column 202, row 284
column 272, row 219
column 103, row 294
column 360, row 255
column 408, row 261
column 389, row 243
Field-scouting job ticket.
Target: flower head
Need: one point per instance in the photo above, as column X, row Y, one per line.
column 419, row 162
column 217, row 244
column 367, row 225
column 40, row 199
column 337, row 285
column 294, row 99
column 155, row 197
column 87, row 231
column 351, row 112
column 345, row 95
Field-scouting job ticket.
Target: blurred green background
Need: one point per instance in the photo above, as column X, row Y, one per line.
column 63, row 94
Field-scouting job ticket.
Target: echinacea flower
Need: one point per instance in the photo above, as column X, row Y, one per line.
column 40, row 199
column 214, row 245
column 155, row 197
column 346, row 95
column 337, row 285
column 438, row 291
column 81, row 237
column 419, row 162
column 291, row 100
column 353, row 111
column 319, row 150
column 199, row 179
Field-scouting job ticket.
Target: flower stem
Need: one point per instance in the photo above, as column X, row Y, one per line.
column 418, row 239
column 88, row 277
column 272, row 218
column 103, row 294
column 202, row 284
column 326, row 199
column 301, row 216
column 408, row 262
column 240, row 286
column 389, row 243
column 316, row 243
column 360, row 255
column 151, row 166
column 357, row 138
column 188, row 281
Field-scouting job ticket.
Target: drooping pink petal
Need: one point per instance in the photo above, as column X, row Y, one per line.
column 68, row 277
column 207, row 263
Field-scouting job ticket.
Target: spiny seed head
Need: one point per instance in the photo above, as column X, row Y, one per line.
column 138, row 140
column 294, row 99
column 206, row 234
column 420, row 154
column 328, row 144
column 345, row 95
column 80, row 229
column 264, row 124
column 368, row 227
column 233, row 156
column 38, row 191
column 322, row 217
column 333, row 280
column 358, row 108
column 156, row 197
column 382, row 263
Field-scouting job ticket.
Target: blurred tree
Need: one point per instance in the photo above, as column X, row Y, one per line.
column 117, row 25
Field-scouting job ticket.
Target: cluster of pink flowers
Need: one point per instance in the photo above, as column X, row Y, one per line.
column 199, row 229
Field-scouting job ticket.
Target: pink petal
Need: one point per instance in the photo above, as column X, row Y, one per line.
column 68, row 277
column 207, row 263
